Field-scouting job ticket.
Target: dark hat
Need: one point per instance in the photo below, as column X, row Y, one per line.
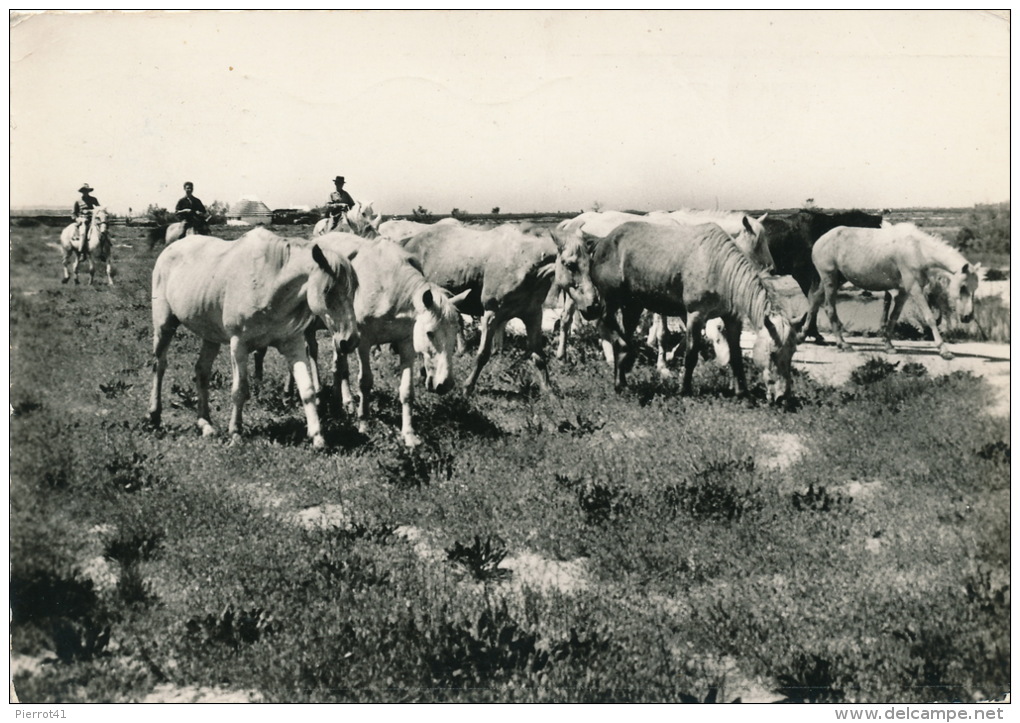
column 189, row 183
column 85, row 188
column 338, row 179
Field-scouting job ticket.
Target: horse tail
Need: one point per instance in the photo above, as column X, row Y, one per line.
column 157, row 234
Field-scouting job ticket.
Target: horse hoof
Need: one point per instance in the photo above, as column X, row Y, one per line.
column 64, row 281
column 411, row 439
column 155, row 419
column 891, row 350
column 318, row 442
column 665, row 373
column 363, row 427
column 946, row 354
column 207, row 429
column 843, row 346
column 235, row 439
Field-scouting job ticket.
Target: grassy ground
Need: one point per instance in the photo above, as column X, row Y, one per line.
column 596, row 547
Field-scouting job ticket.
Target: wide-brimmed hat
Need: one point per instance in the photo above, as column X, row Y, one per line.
column 338, row 179
column 85, row 188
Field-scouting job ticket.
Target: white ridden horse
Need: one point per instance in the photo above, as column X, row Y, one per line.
column 97, row 245
column 361, row 220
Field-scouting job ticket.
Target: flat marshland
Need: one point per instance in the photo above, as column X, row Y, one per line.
column 595, row 546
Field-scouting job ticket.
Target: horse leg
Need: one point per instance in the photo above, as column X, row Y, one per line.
column 342, row 379
column 532, row 319
column 163, row 333
column 365, row 384
column 484, row 349
column 695, row 325
column 92, row 270
column 630, row 316
column 612, row 343
column 830, row 286
column 929, row 318
column 892, row 317
column 498, row 333
column 296, row 352
column 259, row 355
column 407, row 357
column 68, row 253
column 566, row 321
column 657, row 338
column 816, row 295
column 732, row 326
column 203, row 371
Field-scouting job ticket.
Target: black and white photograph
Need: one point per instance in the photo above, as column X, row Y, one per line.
column 501, row 357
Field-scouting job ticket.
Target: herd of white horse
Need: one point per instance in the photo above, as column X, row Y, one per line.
column 407, row 284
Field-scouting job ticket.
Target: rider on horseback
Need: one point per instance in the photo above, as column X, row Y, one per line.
column 339, row 203
column 191, row 211
column 81, row 214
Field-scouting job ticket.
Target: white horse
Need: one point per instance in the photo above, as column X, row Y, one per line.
column 254, row 292
column 898, row 258
column 97, row 245
column 361, row 220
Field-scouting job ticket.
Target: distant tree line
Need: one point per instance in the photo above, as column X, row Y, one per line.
column 985, row 228
column 217, row 211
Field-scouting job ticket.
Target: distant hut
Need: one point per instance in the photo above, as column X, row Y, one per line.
column 249, row 211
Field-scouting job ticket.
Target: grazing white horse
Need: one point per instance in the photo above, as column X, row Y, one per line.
column 509, row 274
column 97, row 246
column 747, row 232
column 695, row 272
column 396, row 305
column 899, row 258
column 361, row 219
column 254, row 292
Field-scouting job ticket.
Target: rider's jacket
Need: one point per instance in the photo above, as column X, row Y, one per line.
column 339, row 201
column 83, row 206
column 193, row 205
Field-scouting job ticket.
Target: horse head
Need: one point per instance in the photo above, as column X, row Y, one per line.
column 753, row 241
column 773, row 352
column 332, row 284
column 363, row 220
column 962, row 289
column 437, row 325
column 573, row 272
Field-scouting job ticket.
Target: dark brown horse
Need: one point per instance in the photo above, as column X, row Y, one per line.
column 792, row 238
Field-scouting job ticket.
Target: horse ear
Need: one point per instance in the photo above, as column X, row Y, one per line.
column 590, row 241
column 799, row 324
column 426, row 299
column 557, row 237
column 352, row 254
column 460, row 298
column 747, row 225
column 320, row 259
column 761, row 219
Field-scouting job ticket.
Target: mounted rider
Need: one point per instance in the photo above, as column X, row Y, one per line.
column 81, row 214
column 339, row 203
column 191, row 211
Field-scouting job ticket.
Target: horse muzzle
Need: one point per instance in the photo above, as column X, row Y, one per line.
column 591, row 311
column 442, row 388
column 348, row 345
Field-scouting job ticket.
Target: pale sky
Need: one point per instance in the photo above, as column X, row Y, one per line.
column 522, row 110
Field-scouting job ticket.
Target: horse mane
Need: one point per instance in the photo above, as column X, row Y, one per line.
column 740, row 280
